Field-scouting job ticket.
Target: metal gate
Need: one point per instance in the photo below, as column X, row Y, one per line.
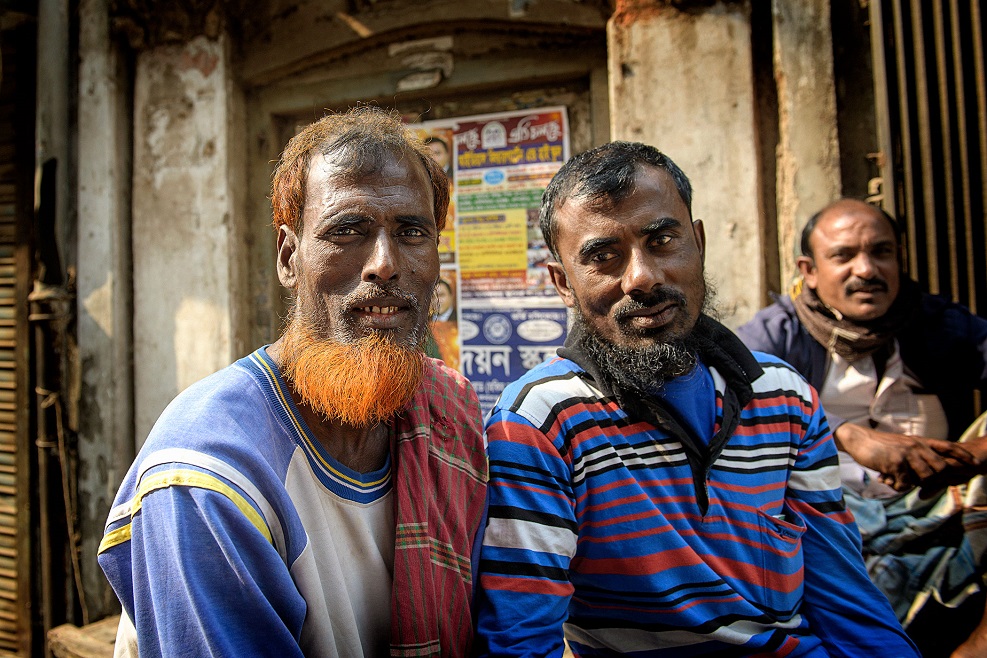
column 932, row 120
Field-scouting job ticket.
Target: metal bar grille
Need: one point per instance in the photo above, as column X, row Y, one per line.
column 978, row 240
column 936, row 117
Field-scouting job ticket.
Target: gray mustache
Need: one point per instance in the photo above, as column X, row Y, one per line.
column 372, row 290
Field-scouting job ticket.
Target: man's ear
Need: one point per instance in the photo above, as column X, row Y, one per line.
column 807, row 268
column 700, row 231
column 287, row 252
column 561, row 282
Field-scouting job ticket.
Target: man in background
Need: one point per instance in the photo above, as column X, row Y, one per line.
column 445, row 302
column 896, row 370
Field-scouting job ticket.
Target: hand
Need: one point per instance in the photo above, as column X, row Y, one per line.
column 961, row 473
column 903, row 461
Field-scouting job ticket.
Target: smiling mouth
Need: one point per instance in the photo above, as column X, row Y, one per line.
column 652, row 318
column 380, row 310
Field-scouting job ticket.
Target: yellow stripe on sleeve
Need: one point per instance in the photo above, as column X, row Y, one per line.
column 115, row 537
column 185, row 478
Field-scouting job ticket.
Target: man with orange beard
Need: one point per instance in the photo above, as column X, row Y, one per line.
column 281, row 503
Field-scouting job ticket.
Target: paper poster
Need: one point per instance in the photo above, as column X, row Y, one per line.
column 500, row 345
column 507, row 316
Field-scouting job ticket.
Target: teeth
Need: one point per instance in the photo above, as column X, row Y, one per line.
column 383, row 309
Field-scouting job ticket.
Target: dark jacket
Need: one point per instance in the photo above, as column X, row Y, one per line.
column 945, row 347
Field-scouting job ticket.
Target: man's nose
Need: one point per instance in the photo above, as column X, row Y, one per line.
column 863, row 266
column 641, row 275
column 383, row 261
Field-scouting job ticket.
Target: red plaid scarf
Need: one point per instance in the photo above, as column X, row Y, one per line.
column 440, row 476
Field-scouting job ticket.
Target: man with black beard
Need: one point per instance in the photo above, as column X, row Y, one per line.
column 658, row 489
column 321, row 496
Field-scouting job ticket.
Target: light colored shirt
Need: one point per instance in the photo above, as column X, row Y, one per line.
column 896, row 403
column 236, row 533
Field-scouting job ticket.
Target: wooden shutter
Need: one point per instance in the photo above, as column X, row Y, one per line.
column 16, row 191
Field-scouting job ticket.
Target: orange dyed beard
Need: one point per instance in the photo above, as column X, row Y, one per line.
column 360, row 384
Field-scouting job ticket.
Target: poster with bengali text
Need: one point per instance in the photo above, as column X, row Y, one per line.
column 500, row 345
column 507, row 317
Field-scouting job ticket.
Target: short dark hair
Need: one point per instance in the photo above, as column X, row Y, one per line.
column 810, row 226
column 361, row 139
column 605, row 175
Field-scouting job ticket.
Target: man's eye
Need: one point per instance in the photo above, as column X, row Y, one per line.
column 602, row 256
column 661, row 240
column 414, row 233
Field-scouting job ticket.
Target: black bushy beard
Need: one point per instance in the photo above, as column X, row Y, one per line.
column 645, row 369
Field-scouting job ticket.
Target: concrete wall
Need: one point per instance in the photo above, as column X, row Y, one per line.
column 184, row 211
column 808, row 148
column 682, row 81
column 106, row 428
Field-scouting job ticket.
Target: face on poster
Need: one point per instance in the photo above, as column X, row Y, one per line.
column 445, row 317
column 509, row 317
column 438, row 139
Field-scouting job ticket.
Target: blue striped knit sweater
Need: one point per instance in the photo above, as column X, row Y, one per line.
column 608, row 519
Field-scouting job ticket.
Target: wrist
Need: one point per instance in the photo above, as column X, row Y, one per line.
column 843, row 436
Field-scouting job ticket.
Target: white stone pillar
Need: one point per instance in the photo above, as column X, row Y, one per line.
column 106, row 424
column 682, row 81
column 183, row 216
column 808, row 146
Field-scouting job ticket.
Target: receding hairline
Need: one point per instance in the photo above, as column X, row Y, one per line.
column 345, row 163
column 846, row 207
column 357, row 142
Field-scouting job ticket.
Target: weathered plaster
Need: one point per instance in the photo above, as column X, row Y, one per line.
column 104, row 294
column 182, row 208
column 98, row 304
column 808, row 148
column 683, row 83
column 200, row 325
column 319, row 31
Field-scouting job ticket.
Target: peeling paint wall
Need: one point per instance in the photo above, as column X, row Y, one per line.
column 808, row 148
column 683, row 82
column 182, row 211
column 104, row 294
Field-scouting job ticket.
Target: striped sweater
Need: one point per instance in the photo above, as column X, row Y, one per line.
column 608, row 521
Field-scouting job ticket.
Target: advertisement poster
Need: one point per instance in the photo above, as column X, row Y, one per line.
column 496, row 313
